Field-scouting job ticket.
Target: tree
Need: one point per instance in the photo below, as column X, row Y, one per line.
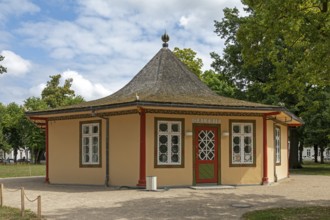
column 55, row 95
column 188, row 57
column 213, row 80
column 275, row 54
column 52, row 96
column 4, row 145
column 2, row 68
column 12, row 127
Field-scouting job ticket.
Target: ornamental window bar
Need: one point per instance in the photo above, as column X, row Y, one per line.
column 277, row 145
column 242, row 143
column 90, row 139
column 169, row 142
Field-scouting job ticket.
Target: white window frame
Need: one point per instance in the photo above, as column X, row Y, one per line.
column 277, row 143
column 169, row 134
column 90, row 136
column 242, row 135
column 308, row 152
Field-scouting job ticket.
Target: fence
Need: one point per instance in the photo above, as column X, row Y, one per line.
column 23, row 197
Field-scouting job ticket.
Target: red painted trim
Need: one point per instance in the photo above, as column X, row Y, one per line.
column 294, row 125
column 271, row 113
column 47, row 152
column 142, row 178
column 288, row 150
column 38, row 118
column 214, row 162
column 265, row 151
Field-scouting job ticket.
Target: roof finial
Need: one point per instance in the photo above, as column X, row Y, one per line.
column 165, row 39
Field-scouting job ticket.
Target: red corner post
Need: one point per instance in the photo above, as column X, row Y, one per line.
column 142, row 178
column 265, row 155
column 47, row 152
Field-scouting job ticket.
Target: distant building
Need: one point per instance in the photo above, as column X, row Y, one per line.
column 21, row 154
column 309, row 154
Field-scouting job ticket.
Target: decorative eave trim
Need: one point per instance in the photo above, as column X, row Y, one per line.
column 83, row 116
column 184, row 112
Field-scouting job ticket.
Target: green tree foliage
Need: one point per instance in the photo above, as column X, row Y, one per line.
column 213, row 80
column 55, row 95
column 12, row 130
column 2, row 68
column 277, row 54
column 188, row 57
column 4, row 145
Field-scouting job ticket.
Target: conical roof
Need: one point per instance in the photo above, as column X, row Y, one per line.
column 165, row 79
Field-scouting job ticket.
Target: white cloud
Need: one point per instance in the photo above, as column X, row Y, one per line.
column 16, row 7
column 85, row 87
column 15, row 64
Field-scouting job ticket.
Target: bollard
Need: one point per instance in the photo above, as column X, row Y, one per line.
column 22, row 202
column 1, row 194
column 39, row 207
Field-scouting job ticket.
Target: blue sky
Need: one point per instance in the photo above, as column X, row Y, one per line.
column 101, row 44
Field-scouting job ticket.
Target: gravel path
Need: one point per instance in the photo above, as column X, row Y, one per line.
column 97, row 202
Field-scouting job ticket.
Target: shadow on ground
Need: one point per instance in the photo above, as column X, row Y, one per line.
column 194, row 206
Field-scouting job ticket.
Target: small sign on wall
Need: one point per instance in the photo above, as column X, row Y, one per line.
column 205, row 121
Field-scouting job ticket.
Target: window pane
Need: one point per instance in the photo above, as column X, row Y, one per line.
column 86, row 141
column 85, row 129
column 163, row 139
column 163, row 127
column 175, row 139
column 237, row 149
column 175, row 158
column 247, row 129
column 247, row 149
column 95, row 158
column 175, row 149
column 247, row 140
column 163, row 149
column 236, row 140
column 163, row 158
column 95, row 149
column 86, row 149
column 95, row 129
column 86, row 158
column 175, row 127
column 236, row 129
column 95, row 140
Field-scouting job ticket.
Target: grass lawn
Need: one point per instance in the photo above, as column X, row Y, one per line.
column 311, row 168
column 15, row 214
column 20, row 170
column 314, row 212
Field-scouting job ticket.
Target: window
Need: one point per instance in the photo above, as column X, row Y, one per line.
column 169, row 150
column 308, row 152
column 90, row 147
column 242, row 143
column 277, row 143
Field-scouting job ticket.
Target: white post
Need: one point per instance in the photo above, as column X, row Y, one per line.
column 39, row 207
column 1, row 194
column 22, row 202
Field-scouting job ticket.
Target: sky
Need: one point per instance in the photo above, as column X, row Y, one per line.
column 100, row 44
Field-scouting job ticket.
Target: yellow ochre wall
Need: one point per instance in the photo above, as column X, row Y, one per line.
column 184, row 176
column 281, row 170
column 124, row 137
column 64, row 155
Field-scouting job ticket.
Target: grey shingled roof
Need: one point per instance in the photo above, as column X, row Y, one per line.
column 165, row 80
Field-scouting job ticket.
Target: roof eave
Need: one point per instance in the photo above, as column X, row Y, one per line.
column 151, row 104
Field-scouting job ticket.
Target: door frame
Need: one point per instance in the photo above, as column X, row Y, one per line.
column 218, row 126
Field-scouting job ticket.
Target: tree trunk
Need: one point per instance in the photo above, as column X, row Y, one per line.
column 316, row 153
column 15, row 155
column 301, row 149
column 294, row 158
column 322, row 156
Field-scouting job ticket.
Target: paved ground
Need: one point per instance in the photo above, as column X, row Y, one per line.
column 91, row 202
